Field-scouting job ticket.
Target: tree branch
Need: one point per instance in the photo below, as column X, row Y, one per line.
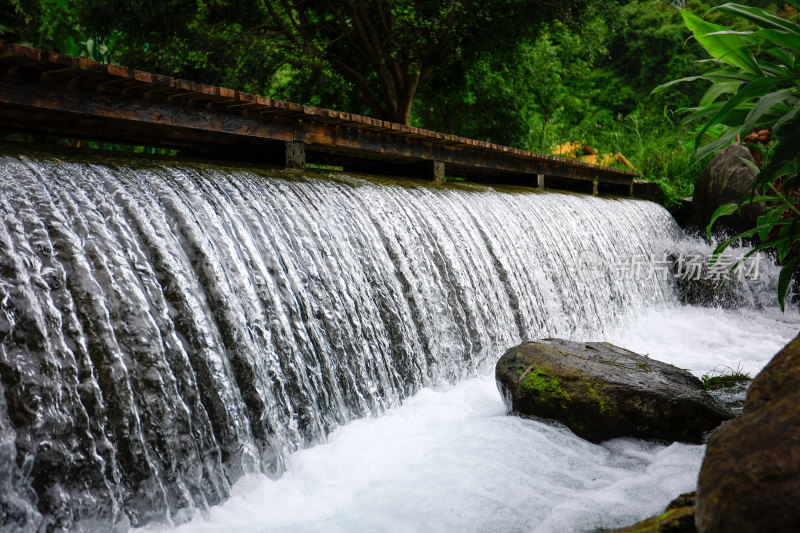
column 360, row 81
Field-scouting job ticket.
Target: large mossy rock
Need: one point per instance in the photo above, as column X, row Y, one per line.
column 726, row 179
column 750, row 478
column 601, row 391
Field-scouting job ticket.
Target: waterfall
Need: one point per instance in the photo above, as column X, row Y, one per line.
column 169, row 327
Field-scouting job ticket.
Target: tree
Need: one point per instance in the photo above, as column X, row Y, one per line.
column 515, row 97
column 217, row 42
column 378, row 54
column 389, row 49
column 50, row 25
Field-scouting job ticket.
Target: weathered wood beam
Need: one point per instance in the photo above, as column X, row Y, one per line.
column 45, row 92
column 163, row 124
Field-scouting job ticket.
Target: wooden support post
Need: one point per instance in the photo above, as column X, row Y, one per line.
column 540, row 181
column 295, row 155
column 438, row 171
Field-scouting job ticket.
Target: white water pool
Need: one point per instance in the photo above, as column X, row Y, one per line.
column 704, row 340
column 451, row 460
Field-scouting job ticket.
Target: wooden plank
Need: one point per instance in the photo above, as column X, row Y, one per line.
column 227, row 97
column 15, row 54
column 148, row 103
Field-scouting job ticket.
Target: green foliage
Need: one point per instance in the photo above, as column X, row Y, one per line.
column 755, row 85
column 366, row 56
column 587, row 82
column 724, row 378
column 525, row 73
column 51, row 24
column 514, row 99
column 217, row 42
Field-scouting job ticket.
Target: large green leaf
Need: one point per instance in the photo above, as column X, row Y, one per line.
column 729, row 48
column 743, row 235
column 699, row 112
column 780, row 54
column 728, row 73
column 724, row 140
column 752, row 252
column 721, row 211
column 777, row 71
column 752, row 90
column 778, row 128
column 763, row 106
column 756, row 199
column 674, row 82
column 786, row 39
column 759, row 17
column 770, row 218
column 717, row 90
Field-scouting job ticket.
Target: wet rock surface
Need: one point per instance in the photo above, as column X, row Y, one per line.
column 727, row 179
column 601, row 391
column 732, row 395
column 750, row 479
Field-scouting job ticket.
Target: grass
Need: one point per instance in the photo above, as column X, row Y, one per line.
column 724, row 377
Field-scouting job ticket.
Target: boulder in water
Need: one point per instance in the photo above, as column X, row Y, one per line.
column 601, row 391
column 750, row 479
column 727, row 179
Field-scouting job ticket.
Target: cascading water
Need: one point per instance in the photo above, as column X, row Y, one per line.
column 168, row 328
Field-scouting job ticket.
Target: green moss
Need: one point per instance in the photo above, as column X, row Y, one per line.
column 544, row 383
column 605, row 403
column 654, row 524
column 645, row 367
column 722, row 382
column 665, row 515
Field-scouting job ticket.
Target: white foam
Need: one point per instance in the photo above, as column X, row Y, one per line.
column 703, row 340
column 451, row 460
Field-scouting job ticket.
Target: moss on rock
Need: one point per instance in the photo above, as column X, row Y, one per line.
column 541, row 381
column 601, row 391
column 678, row 517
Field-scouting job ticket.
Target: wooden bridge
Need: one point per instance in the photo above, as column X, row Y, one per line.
column 48, row 93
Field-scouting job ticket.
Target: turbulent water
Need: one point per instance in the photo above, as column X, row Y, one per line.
column 449, row 459
column 167, row 329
